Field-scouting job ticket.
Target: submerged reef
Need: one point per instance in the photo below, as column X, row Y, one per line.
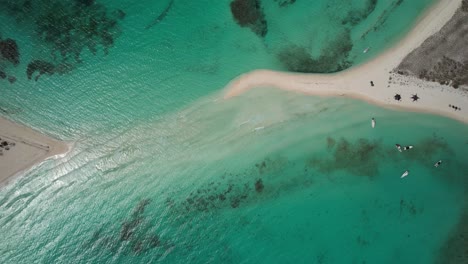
column 382, row 19
column 355, row 17
column 363, row 157
column 455, row 249
column 249, row 13
column 177, row 221
column 334, row 58
column 336, row 54
column 71, row 28
column 43, row 67
column 9, row 55
column 262, row 181
column 218, row 195
column 284, row 3
column 66, row 28
column 136, row 235
column 359, row 158
column 9, row 51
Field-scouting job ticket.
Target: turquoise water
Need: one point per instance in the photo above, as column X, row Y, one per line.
column 165, row 170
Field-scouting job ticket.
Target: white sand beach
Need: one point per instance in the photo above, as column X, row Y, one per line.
column 25, row 148
column 355, row 82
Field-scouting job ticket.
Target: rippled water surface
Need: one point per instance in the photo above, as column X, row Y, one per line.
column 163, row 169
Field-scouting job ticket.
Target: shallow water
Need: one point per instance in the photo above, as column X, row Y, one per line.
column 312, row 185
column 163, row 169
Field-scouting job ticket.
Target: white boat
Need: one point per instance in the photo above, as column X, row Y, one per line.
column 438, row 163
column 407, row 147
column 259, row 128
column 366, row 50
column 405, row 174
column 373, row 122
column 398, row 146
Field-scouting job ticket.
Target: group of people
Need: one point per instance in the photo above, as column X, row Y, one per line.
column 5, row 145
column 401, row 149
column 455, row 107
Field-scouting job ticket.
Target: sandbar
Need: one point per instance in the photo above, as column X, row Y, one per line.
column 356, row 82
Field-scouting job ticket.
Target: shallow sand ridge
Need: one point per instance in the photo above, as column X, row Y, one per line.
column 356, row 82
column 23, row 148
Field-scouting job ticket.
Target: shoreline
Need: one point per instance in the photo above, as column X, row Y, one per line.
column 355, row 82
column 26, row 148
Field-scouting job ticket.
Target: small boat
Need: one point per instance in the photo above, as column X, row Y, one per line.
column 407, row 147
column 373, row 122
column 438, row 163
column 405, row 174
column 366, row 50
column 259, row 128
column 398, row 146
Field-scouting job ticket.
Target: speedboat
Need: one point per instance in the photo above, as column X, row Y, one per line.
column 438, row 163
column 398, row 146
column 373, row 122
column 407, row 147
column 366, row 50
column 405, row 174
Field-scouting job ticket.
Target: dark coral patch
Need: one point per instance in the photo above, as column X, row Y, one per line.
column 427, row 149
column 134, row 237
column 355, row 17
column 285, row 3
column 249, row 13
column 259, row 186
column 455, row 249
column 9, row 51
column 70, row 29
column 382, row 19
column 43, row 67
column 358, row 158
column 332, row 59
column 85, row 2
column 66, row 28
column 362, row 157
